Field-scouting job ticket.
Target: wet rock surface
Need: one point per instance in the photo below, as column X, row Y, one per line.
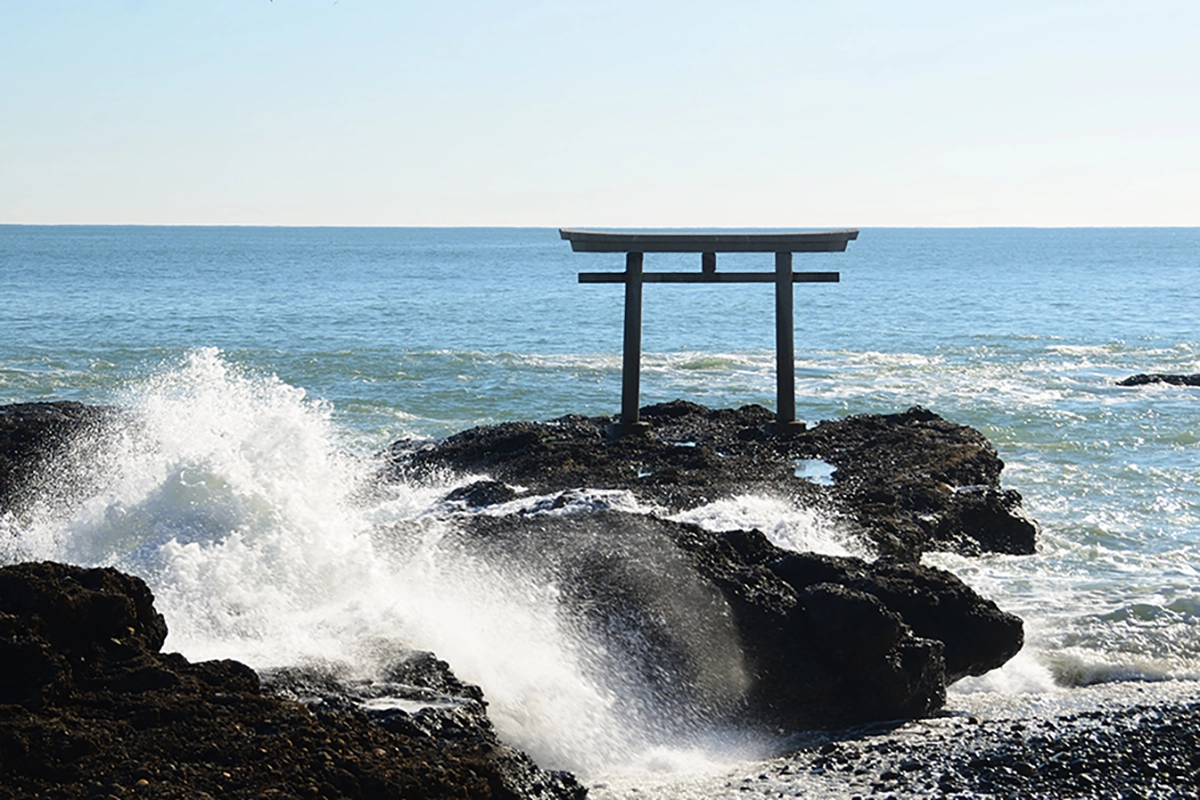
column 905, row 483
column 1143, row 379
column 1105, row 741
column 719, row 627
column 90, row 708
column 725, row 627
column 1145, row 751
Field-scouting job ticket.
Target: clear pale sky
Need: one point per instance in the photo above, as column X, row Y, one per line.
column 761, row 114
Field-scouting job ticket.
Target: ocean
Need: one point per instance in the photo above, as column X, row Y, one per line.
column 271, row 363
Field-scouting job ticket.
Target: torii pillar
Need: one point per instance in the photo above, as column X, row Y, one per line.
column 636, row 243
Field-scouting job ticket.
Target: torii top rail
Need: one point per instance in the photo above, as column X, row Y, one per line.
column 636, row 243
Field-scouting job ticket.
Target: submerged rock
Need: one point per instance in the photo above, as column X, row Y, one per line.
column 89, row 707
column 905, row 483
column 1142, row 379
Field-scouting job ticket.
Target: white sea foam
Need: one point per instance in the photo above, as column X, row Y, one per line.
column 569, row 502
column 799, row 529
column 231, row 496
column 234, row 498
column 1023, row 674
column 1081, row 667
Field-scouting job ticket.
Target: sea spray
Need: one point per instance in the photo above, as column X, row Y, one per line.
column 264, row 541
column 227, row 492
column 799, row 529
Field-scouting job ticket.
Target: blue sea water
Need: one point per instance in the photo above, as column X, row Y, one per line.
column 275, row 359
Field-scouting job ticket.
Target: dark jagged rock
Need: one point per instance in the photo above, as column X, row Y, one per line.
column 714, row 626
column 896, row 634
column 977, row 635
column 915, row 482
column 1142, row 379
column 908, row 483
column 722, row 626
column 67, row 627
column 482, row 493
column 89, row 707
column 737, row 626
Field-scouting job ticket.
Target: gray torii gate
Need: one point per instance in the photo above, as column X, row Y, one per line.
column 636, row 243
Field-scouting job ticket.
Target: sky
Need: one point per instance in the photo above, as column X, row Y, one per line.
column 799, row 114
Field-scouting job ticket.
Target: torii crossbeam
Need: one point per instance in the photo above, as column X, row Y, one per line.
column 636, row 243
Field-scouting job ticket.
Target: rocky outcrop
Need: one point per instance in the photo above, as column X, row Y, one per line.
column 914, row 482
column 1142, row 379
column 89, row 707
column 715, row 627
column 726, row 627
column 906, row 483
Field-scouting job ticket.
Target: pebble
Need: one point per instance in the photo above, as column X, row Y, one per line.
column 1120, row 751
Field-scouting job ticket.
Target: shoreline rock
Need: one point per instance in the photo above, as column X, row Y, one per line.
column 726, row 628
column 905, row 483
column 1144, row 379
column 89, row 707
column 1112, row 740
column 816, row 641
column 717, row 627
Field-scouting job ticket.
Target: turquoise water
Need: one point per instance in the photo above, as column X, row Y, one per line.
column 270, row 353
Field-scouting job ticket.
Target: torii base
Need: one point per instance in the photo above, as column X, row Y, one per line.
column 787, row 427
column 622, row 429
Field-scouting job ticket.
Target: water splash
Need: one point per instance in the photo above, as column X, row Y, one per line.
column 799, row 529
column 231, row 494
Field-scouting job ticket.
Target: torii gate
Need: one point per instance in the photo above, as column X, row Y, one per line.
column 636, row 243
